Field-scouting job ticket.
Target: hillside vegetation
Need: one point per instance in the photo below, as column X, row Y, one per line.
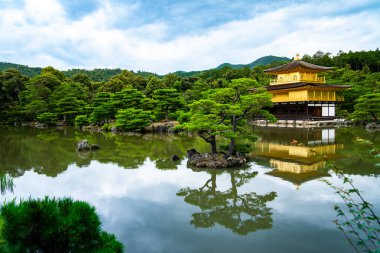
column 101, row 96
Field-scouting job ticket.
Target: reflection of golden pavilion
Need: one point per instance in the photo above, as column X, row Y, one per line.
column 298, row 156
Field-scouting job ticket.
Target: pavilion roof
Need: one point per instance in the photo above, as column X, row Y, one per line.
column 296, row 64
column 296, row 85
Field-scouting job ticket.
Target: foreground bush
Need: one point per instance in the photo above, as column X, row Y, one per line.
column 54, row 225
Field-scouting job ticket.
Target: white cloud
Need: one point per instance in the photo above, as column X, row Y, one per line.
column 41, row 34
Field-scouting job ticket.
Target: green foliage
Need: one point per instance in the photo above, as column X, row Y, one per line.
column 133, row 119
column 367, row 107
column 12, row 82
column 129, row 98
column 95, row 75
column 23, row 69
column 48, row 118
column 153, row 84
column 69, row 100
column 54, row 72
column 124, row 80
column 81, row 120
column 83, row 79
column 226, row 110
column 357, row 219
column 101, row 114
column 168, row 100
column 102, row 108
column 205, row 118
column 54, row 225
column 100, row 93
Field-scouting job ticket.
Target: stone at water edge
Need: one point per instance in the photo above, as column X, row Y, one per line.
column 216, row 161
column 192, row 152
column 372, row 126
column 83, row 145
column 175, row 158
column 95, row 147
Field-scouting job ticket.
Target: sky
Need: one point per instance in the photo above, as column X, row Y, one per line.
column 163, row 36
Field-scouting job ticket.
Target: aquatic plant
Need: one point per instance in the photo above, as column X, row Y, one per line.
column 356, row 219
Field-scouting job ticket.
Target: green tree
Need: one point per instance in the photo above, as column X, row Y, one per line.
column 129, row 98
column 133, row 119
column 227, row 110
column 153, row 84
column 102, row 108
column 83, row 79
column 48, row 118
column 69, row 100
column 12, row 82
column 168, row 100
column 54, row 72
column 367, row 107
column 170, row 79
column 206, row 119
column 81, row 120
column 243, row 101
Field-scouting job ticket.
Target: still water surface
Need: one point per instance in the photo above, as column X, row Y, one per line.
column 276, row 204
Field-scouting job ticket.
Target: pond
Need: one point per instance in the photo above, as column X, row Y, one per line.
column 277, row 203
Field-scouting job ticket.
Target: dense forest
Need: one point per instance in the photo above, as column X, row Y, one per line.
column 131, row 100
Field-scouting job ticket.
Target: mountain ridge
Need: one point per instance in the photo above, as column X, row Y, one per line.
column 34, row 71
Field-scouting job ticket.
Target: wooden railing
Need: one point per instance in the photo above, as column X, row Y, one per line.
column 309, row 98
column 295, row 79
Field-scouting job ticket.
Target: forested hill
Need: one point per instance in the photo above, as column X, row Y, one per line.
column 261, row 61
column 25, row 70
column 103, row 75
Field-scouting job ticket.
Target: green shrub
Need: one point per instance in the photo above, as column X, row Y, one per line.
column 81, row 120
column 48, row 118
column 242, row 148
column 54, row 225
column 133, row 119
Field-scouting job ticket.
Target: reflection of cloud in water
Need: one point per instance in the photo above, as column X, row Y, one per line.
column 142, row 208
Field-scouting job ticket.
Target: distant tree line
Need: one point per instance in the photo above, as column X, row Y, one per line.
column 356, row 60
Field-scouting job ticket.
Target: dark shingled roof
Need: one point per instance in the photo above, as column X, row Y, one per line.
column 295, row 64
column 296, row 85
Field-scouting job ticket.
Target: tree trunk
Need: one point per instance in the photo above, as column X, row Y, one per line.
column 374, row 116
column 213, row 144
column 231, row 147
column 166, row 114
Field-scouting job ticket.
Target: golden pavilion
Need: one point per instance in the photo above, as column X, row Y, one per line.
column 299, row 93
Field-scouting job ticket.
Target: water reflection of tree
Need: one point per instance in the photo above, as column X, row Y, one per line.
column 241, row 213
column 51, row 151
column 6, row 183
